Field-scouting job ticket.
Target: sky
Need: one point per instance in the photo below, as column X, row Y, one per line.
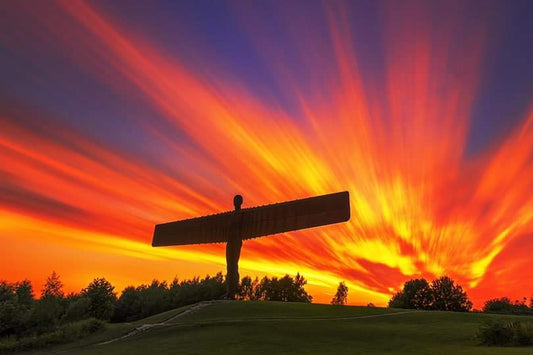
column 116, row 116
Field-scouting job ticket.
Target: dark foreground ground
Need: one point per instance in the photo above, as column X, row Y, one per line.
column 274, row 328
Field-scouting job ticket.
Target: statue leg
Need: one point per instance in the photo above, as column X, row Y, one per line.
column 233, row 253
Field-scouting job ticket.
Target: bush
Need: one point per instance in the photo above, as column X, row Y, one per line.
column 63, row 334
column 506, row 333
column 504, row 305
column 498, row 305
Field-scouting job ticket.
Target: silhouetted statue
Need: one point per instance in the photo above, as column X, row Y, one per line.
column 233, row 249
column 241, row 224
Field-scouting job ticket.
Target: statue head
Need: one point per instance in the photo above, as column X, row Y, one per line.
column 237, row 202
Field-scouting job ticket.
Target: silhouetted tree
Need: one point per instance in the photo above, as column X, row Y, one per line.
column 416, row 294
column 77, row 308
column 442, row 294
column 20, row 312
column 16, row 305
column 300, row 295
column 341, row 295
column 447, row 296
column 246, row 289
column 24, row 293
column 505, row 306
column 51, row 306
column 285, row 289
column 8, row 308
column 101, row 298
column 144, row 300
column 522, row 304
column 128, row 305
column 155, row 298
column 211, row 288
column 53, row 287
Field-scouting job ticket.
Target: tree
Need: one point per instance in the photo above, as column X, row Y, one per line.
column 442, row 294
column 448, row 296
column 246, row 289
column 50, row 308
column 53, row 287
column 498, row 305
column 154, row 298
column 25, row 305
column 77, row 308
column 416, row 294
column 128, row 305
column 285, row 289
column 341, row 295
column 298, row 292
column 8, row 308
column 24, row 293
column 101, row 298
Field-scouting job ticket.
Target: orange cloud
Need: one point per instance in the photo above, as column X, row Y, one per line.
column 419, row 207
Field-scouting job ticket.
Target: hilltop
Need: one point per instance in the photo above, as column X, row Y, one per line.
column 276, row 327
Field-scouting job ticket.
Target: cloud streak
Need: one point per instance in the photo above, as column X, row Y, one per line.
column 420, row 207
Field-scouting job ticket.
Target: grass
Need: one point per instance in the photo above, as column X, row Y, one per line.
column 272, row 327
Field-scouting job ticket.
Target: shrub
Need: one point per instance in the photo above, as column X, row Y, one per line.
column 63, row 334
column 497, row 305
column 505, row 306
column 506, row 333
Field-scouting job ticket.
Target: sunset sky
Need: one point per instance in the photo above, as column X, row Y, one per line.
column 116, row 116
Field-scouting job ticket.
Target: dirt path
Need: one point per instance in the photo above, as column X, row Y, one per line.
column 144, row 327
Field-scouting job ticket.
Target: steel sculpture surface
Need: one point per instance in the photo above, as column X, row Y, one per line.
column 235, row 226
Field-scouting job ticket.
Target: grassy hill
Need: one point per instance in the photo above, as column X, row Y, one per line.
column 272, row 327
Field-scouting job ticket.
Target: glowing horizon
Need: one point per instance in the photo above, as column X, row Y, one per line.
column 422, row 205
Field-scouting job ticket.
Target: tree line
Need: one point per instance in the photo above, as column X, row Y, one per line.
column 21, row 314
column 443, row 294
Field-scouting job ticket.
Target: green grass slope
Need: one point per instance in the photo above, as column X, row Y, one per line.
column 274, row 328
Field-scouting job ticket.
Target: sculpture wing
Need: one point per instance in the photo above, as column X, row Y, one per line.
column 295, row 215
column 257, row 221
column 209, row 229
